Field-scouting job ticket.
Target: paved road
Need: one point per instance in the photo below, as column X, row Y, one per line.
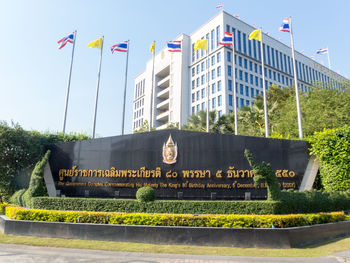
column 30, row 254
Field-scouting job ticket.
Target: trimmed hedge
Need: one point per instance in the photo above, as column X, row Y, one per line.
column 227, row 221
column 291, row 202
column 158, row 206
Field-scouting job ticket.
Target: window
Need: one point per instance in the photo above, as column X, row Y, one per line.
column 218, row 57
column 213, row 103
column 203, row 93
column 217, row 35
column 193, row 72
column 251, row 79
column 240, row 61
column 203, row 105
column 239, row 40
column 249, row 48
column 193, row 110
column 220, row 113
column 218, row 71
column 278, row 77
column 202, row 66
column 250, row 65
column 270, row 74
column 197, row 95
column 193, row 97
column 247, row 102
column 256, row 81
column 273, row 56
column 219, row 85
column 213, row 60
column 241, row 75
column 246, row 77
column 245, row 64
column 230, row 100
column 213, row 74
column 252, row 92
column 244, row 38
column 197, row 82
column 193, row 84
column 213, row 88
column 229, row 84
column 202, row 80
column 219, row 101
column 242, row 102
column 197, row 107
column 228, row 28
column 247, row 91
column 197, row 69
column 229, row 70
column 256, row 68
column 241, row 91
column 254, row 48
column 274, row 76
column 268, row 56
column 228, row 56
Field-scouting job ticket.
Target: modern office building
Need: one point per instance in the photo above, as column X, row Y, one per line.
column 180, row 78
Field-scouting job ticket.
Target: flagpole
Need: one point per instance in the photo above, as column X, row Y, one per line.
column 207, row 86
column 296, row 82
column 234, row 85
column 126, row 80
column 264, row 88
column 151, row 109
column 97, row 89
column 329, row 61
column 68, row 88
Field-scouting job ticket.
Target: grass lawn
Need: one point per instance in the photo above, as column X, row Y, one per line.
column 321, row 249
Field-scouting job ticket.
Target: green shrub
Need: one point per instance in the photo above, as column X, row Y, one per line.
column 146, row 194
column 227, row 221
column 37, row 185
column 17, row 198
column 332, row 148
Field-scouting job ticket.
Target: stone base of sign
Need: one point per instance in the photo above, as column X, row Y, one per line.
column 199, row 236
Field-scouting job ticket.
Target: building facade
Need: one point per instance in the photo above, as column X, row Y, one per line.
column 181, row 78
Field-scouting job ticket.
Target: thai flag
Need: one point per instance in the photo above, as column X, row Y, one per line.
column 121, row 47
column 220, row 6
column 322, row 51
column 227, row 40
column 174, row 46
column 68, row 39
column 285, row 27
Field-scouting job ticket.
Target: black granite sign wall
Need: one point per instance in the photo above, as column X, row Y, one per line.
column 190, row 165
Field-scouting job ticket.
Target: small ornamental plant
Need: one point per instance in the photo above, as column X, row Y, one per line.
column 145, row 194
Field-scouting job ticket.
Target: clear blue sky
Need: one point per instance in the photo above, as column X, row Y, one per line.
column 34, row 73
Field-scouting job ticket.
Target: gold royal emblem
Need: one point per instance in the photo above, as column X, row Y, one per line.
column 169, row 151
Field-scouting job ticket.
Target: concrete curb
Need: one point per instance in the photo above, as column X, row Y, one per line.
column 201, row 236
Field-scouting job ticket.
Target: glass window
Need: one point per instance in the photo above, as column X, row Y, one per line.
column 246, row 77
column 203, row 105
column 197, row 82
column 218, row 71
column 193, row 54
column 277, row 62
column 193, row 72
column 245, row 63
column 274, row 76
column 254, row 48
column 228, row 56
column 239, row 40
column 241, row 75
column 213, row 60
column 229, row 84
column 220, row 113
column 217, row 35
column 240, row 61
column 202, row 66
column 251, row 79
column 193, row 97
column 218, row 57
column 273, row 56
column 219, row 100
column 256, row 81
column 197, row 69
column 219, row 85
column 247, row 102
column 228, row 28
column 193, row 84
column 230, row 100
column 212, row 35
column 197, row 95
column 203, row 93
column 244, row 38
column 213, row 74
column 252, row 92
column 229, row 70
column 249, row 48
column 197, row 107
column 241, row 89
column 247, row 91
column 256, row 68
column 270, row 74
column 213, row 103
column 250, row 66
column 268, row 55
column 213, row 88
column 202, row 79
column 242, row 102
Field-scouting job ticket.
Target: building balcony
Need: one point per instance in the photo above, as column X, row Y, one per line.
column 164, row 105
column 162, row 127
column 164, row 83
column 164, row 94
column 163, row 117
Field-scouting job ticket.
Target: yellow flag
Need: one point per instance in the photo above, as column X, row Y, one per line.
column 201, row 44
column 96, row 43
column 256, row 34
column 152, row 47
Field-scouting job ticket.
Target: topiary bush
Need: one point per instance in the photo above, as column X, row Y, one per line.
column 36, row 185
column 332, row 148
column 17, row 197
column 145, row 194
